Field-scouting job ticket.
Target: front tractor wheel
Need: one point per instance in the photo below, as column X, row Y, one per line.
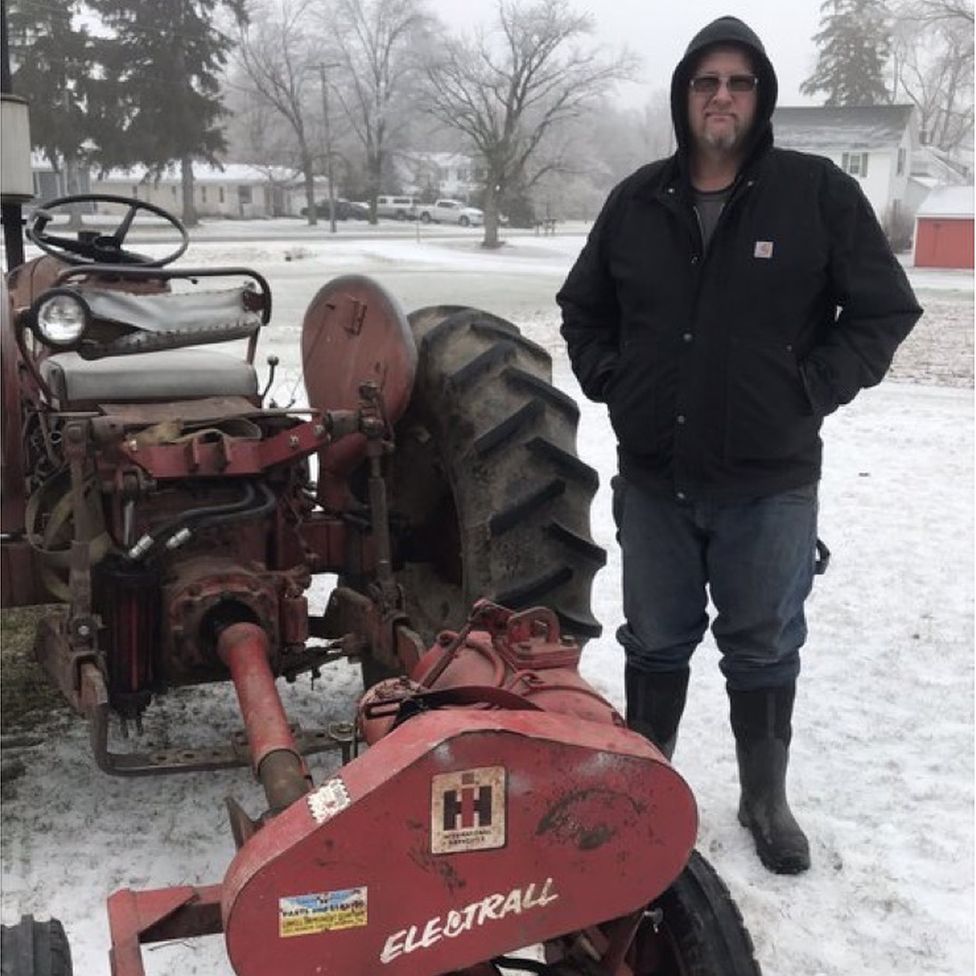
column 488, row 495
column 698, row 931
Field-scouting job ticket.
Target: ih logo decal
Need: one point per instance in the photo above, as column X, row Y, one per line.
column 467, row 810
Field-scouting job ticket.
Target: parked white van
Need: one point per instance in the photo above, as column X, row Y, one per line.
column 399, row 208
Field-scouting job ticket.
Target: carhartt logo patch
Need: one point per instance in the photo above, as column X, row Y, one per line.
column 764, row 249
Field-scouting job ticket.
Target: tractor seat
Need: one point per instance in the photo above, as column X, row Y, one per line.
column 172, row 374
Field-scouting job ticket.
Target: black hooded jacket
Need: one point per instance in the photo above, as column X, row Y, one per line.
column 719, row 365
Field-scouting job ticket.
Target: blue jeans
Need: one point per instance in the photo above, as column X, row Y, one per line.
column 756, row 558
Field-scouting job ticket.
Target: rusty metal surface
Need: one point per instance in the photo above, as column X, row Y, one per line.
column 594, row 824
column 354, row 332
column 155, row 916
column 519, row 653
column 202, row 757
column 202, row 586
column 377, row 627
column 13, row 497
column 66, row 663
column 19, row 586
column 275, row 758
column 226, row 456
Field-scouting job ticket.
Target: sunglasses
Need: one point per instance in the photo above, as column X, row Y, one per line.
column 736, row 84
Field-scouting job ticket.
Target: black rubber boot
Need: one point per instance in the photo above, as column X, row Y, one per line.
column 761, row 723
column 655, row 701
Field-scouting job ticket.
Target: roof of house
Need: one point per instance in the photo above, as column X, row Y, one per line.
column 947, row 201
column 857, row 127
column 935, row 165
column 203, row 173
column 438, row 158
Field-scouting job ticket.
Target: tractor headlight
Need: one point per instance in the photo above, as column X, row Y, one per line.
column 60, row 317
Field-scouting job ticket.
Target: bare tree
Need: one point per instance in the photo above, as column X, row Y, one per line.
column 934, row 67
column 957, row 12
column 280, row 64
column 510, row 90
column 375, row 43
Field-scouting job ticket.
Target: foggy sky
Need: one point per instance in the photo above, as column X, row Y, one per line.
column 659, row 31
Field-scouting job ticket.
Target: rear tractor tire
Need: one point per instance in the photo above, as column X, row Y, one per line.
column 486, row 480
column 33, row 948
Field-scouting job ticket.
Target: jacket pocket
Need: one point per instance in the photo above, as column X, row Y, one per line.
column 630, row 399
column 769, row 415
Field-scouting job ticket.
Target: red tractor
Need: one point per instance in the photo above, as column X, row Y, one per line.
column 177, row 516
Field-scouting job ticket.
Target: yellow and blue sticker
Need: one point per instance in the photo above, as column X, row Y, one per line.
column 327, row 911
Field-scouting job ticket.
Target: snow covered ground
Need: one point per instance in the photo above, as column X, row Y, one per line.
column 882, row 770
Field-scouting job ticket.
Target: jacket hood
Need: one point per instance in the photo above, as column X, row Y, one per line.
column 725, row 31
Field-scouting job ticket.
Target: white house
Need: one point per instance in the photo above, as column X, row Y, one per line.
column 439, row 174
column 237, row 190
column 50, row 183
column 874, row 143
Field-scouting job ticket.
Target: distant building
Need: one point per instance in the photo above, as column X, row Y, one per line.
column 933, row 168
column 439, row 174
column 238, row 190
column 50, row 183
column 873, row 143
column 944, row 228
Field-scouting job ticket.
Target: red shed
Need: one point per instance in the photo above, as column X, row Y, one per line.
column 944, row 228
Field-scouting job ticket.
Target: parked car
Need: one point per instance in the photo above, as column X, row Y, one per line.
column 344, row 210
column 399, row 208
column 451, row 212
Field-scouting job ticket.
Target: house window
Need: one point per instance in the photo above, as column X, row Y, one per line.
column 221, row 194
column 172, row 190
column 244, row 194
column 135, row 191
column 855, row 163
column 901, row 162
column 203, row 194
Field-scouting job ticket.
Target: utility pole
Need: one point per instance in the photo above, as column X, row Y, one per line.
column 327, row 129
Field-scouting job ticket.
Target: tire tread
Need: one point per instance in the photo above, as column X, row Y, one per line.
column 34, row 948
column 500, row 463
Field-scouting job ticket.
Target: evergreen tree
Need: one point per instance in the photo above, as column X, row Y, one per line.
column 158, row 99
column 51, row 62
column 855, row 44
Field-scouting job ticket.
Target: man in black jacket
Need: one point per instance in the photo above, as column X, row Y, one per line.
column 728, row 298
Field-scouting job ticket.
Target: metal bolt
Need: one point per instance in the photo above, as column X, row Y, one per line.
column 293, row 440
column 318, row 430
column 133, row 445
column 84, row 630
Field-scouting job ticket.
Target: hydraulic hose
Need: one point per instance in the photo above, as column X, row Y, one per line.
column 176, row 532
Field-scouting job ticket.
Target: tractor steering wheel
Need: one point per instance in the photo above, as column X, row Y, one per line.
column 92, row 247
